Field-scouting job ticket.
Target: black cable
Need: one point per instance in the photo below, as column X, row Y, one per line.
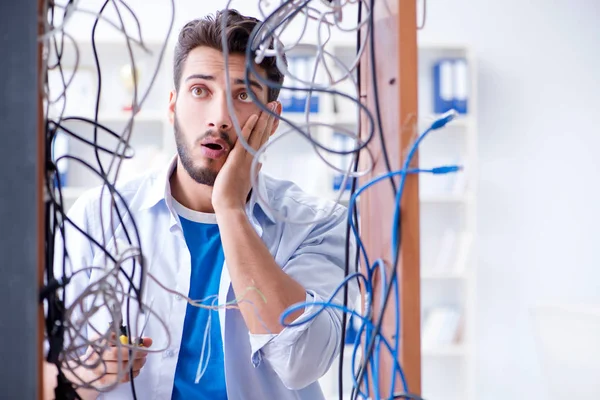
column 54, row 320
column 388, row 285
column 99, row 76
column 56, row 218
column 96, row 111
column 57, row 203
column 348, row 231
column 251, row 68
column 95, row 145
column 374, row 81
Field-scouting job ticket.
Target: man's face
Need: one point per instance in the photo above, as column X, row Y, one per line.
column 204, row 131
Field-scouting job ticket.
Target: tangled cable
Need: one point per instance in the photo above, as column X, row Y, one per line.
column 265, row 42
column 120, row 290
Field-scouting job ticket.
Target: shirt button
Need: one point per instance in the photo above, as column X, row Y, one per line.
column 178, row 297
column 169, row 353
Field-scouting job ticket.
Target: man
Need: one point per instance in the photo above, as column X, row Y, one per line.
column 202, row 237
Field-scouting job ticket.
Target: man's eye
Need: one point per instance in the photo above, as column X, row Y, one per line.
column 245, row 97
column 198, row 91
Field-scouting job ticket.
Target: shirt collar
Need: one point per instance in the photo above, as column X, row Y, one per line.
column 160, row 189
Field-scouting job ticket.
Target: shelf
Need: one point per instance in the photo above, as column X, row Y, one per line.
column 431, row 276
column 345, row 119
column 300, row 117
column 461, row 121
column 455, row 350
column 425, row 199
column 444, row 198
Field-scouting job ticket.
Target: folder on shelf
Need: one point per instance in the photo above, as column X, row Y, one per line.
column 304, row 98
column 342, row 142
column 461, row 88
column 446, row 256
column 298, row 96
column 310, row 65
column 441, row 327
column 296, row 100
column 286, row 97
column 463, row 252
column 450, row 85
column 443, row 88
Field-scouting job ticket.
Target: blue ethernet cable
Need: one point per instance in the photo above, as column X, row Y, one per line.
column 441, row 122
column 374, row 340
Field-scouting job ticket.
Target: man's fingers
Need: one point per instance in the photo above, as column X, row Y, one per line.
column 122, row 353
column 115, row 367
column 137, row 364
column 111, row 379
column 249, row 126
column 262, row 127
column 127, row 377
column 267, row 131
column 147, row 341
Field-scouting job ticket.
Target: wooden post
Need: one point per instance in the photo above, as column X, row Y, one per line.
column 395, row 35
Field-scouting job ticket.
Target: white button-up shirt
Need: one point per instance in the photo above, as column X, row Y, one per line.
column 257, row 366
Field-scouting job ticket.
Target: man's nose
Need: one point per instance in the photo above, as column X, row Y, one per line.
column 218, row 117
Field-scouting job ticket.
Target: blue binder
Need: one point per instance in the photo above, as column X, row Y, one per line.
column 461, row 87
column 296, row 101
column 443, row 88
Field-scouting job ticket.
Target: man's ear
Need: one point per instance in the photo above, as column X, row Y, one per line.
column 172, row 101
column 277, row 111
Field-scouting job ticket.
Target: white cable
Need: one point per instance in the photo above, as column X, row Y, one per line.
column 278, row 17
column 110, row 292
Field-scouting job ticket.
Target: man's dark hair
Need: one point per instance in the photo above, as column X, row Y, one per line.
column 208, row 32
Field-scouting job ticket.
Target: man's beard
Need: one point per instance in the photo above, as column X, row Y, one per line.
column 202, row 175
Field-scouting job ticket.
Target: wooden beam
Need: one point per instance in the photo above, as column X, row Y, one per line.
column 395, row 35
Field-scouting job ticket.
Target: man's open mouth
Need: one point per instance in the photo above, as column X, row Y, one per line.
column 213, row 146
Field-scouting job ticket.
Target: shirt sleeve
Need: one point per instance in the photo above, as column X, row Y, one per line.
column 301, row 354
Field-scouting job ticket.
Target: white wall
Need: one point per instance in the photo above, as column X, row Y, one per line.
column 539, row 192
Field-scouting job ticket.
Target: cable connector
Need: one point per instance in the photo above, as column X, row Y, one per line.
column 124, row 337
column 446, row 169
column 444, row 119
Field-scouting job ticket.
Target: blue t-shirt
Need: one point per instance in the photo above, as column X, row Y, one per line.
column 200, row 372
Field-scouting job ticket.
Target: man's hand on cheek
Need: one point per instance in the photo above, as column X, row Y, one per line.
column 233, row 180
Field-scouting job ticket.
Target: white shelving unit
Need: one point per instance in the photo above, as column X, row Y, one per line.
column 448, row 223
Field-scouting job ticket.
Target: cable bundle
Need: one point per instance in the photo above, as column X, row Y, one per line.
column 125, row 261
column 265, row 42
